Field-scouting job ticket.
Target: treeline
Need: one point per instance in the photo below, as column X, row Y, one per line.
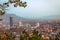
column 26, row 36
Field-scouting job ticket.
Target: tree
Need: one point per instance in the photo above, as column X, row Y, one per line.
column 10, row 36
column 15, row 2
column 3, row 36
column 57, row 36
column 24, row 35
column 35, row 36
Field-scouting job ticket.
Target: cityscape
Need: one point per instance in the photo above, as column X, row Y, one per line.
column 47, row 28
column 29, row 19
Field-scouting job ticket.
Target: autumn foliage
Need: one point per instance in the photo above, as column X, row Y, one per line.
column 7, row 36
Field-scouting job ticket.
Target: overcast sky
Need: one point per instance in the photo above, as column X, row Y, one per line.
column 36, row 8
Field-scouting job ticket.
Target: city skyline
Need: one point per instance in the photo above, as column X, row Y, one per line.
column 35, row 8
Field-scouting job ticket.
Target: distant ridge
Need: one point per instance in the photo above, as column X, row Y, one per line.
column 16, row 18
column 52, row 17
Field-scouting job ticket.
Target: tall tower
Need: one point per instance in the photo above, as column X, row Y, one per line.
column 11, row 21
column 0, row 23
column 1, row 20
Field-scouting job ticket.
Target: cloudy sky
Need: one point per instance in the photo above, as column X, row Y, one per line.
column 35, row 8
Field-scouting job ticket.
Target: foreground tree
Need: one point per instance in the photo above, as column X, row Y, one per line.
column 24, row 35
column 57, row 36
column 15, row 2
column 10, row 36
column 3, row 36
column 35, row 36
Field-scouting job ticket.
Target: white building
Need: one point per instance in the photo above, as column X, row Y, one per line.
column 20, row 24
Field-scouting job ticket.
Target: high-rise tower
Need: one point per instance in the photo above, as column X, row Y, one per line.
column 0, row 23
column 11, row 21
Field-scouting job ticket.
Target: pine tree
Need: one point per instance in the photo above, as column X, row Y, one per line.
column 57, row 36
column 24, row 35
column 36, row 36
